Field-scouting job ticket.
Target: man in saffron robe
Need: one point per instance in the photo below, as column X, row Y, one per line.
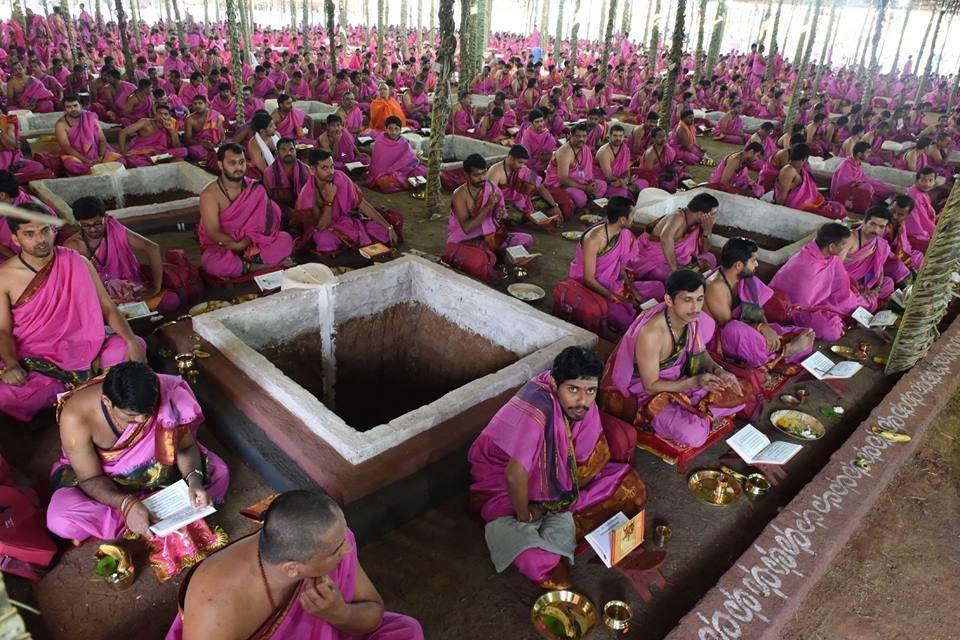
column 661, row 374
column 115, row 252
column 904, row 260
column 203, row 131
column 851, row 186
column 571, row 170
column 684, row 140
column 600, row 264
column 518, row 184
column 333, row 205
column 239, row 227
column 922, row 221
column 868, row 256
column 341, row 144
column 82, row 142
column 818, row 286
column 679, row 240
column 542, row 474
column 538, row 141
column 732, row 174
column 384, row 108
column 52, row 312
column 153, row 136
column 729, row 129
column 11, row 157
column 124, row 436
column 309, row 583
column 291, row 121
column 735, row 297
column 393, row 162
column 26, row 92
column 286, row 177
column 614, row 164
column 796, row 188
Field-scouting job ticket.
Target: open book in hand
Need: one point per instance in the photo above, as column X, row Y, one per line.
column 172, row 509
column 755, row 448
column 520, row 256
column 874, row 321
column 823, row 367
column 617, row 537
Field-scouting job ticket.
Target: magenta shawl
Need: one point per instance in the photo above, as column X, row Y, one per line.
column 490, row 224
column 580, row 171
column 865, row 265
column 811, row 280
column 390, row 156
column 291, row 126
column 540, row 146
column 922, row 221
column 85, row 135
column 113, row 258
column 251, row 215
column 610, row 260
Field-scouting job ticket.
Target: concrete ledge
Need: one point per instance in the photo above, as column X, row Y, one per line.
column 765, row 587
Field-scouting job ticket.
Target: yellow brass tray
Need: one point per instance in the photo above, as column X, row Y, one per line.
column 798, row 424
column 848, row 352
column 714, row 487
column 563, row 615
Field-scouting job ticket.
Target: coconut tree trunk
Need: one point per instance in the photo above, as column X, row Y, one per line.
column 293, row 16
column 559, row 38
column 380, row 27
column 801, row 67
column 68, row 21
column 403, row 29
column 698, row 55
column 798, row 55
column 716, row 37
column 773, row 42
column 627, row 18
column 812, row 33
column 903, row 30
column 433, row 19
column 97, row 14
column 575, row 35
column 331, row 34
column 874, row 64
column 544, row 29
column 125, row 42
column 181, row 34
column 305, row 24
column 654, row 40
column 466, row 51
column 440, row 112
column 608, row 39
column 419, row 28
column 921, row 87
column 673, row 70
column 822, row 63
column 236, row 62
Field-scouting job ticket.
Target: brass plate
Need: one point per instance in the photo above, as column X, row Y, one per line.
column 563, row 615
column 848, row 352
column 798, row 424
column 590, row 218
column 714, row 487
column 571, row 235
column 526, row 292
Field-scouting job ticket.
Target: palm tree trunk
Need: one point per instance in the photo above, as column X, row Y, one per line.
column 380, row 27
column 559, row 37
column 716, row 37
column 293, row 16
column 125, row 42
column 812, row 34
column 98, row 14
column 68, row 21
column 866, row 45
column 654, row 40
column 419, row 28
column 929, row 66
column 627, row 18
column 233, row 33
column 646, row 23
column 903, row 30
column 466, row 49
column 181, row 34
column 440, row 112
column 307, row 35
column 801, row 66
column 771, row 57
column 166, row 7
column 798, row 55
column 822, row 63
column 403, row 29
column 331, row 34
column 575, row 35
column 608, row 39
column 698, row 55
column 926, row 35
column 673, row 70
column 874, row 64
column 433, row 19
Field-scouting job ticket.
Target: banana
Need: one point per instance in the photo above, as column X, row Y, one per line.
column 892, row 436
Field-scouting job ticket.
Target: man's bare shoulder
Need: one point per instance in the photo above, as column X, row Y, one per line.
column 497, row 173
column 77, row 413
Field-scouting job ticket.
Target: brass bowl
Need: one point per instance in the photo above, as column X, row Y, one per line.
column 563, row 615
column 419, row 195
column 798, row 424
column 185, row 361
column 755, row 485
column 617, row 615
column 663, row 534
column 714, row 487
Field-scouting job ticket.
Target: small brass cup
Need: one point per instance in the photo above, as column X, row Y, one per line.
column 617, row 615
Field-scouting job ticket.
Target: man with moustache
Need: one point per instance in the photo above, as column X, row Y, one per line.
column 82, row 141
column 239, row 224
column 286, row 177
column 869, row 252
column 53, row 309
column 203, row 131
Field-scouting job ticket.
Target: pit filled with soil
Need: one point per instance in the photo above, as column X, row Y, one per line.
column 140, row 199
column 390, row 363
column 763, row 241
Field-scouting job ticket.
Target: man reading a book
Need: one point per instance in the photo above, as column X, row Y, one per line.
column 542, row 476
column 735, row 298
column 297, row 578
column 124, row 436
column 661, row 373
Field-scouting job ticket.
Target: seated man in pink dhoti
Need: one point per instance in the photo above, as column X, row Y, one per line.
column 796, row 187
column 333, row 207
column 26, row 92
column 519, row 184
column 152, row 136
column 309, row 583
column 735, row 297
column 922, row 221
column 542, row 472
column 661, row 374
column 868, row 256
column 571, row 170
column 203, row 131
column 262, row 86
column 137, row 105
column 818, row 286
column 350, row 114
column 416, row 106
column 600, row 264
column 52, row 313
column 684, row 140
column 614, row 163
column 341, row 144
column 679, row 240
column 291, row 121
column 660, row 166
column 11, row 157
column 854, row 188
column 116, row 253
column 732, row 174
column 462, row 121
column 904, row 261
column 763, row 136
column 729, row 128
column 393, row 161
column 538, row 141
column 239, row 226
column 286, row 177
column 596, row 129
column 225, row 103
column 82, row 142
column 123, row 436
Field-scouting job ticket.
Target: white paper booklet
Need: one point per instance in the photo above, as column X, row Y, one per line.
column 879, row 320
column 134, row 310
column 823, row 367
column 520, row 255
column 171, row 507
column 364, row 139
column 600, row 537
column 756, row 448
column 269, row 281
column 354, row 165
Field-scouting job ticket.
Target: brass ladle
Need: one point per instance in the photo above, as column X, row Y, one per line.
column 755, row 485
